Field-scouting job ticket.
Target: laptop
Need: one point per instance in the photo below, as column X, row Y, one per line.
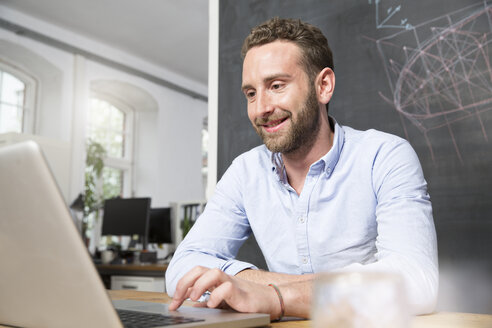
column 47, row 277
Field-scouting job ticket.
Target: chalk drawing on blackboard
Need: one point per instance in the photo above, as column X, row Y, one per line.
column 386, row 14
column 440, row 72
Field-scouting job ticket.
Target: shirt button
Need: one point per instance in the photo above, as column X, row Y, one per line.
column 304, row 260
column 302, row 219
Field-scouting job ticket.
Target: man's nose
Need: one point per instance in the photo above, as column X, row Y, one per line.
column 264, row 104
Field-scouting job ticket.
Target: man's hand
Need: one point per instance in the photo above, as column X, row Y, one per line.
column 239, row 294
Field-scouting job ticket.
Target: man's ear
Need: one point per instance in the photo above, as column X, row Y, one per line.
column 325, row 85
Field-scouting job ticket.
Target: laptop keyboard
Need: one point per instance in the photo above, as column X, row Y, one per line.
column 135, row 319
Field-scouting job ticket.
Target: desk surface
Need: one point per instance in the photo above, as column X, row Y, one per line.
column 133, row 267
column 436, row 320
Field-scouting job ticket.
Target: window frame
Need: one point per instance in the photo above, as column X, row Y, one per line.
column 30, row 93
column 126, row 163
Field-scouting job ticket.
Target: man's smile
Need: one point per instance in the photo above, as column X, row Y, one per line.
column 273, row 125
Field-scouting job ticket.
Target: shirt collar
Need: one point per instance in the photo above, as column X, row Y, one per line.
column 278, row 167
column 329, row 160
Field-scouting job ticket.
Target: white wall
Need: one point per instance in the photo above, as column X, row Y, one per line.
column 183, row 126
column 167, row 150
column 53, row 71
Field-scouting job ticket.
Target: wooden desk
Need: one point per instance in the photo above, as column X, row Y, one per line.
column 148, row 270
column 436, row 320
column 131, row 269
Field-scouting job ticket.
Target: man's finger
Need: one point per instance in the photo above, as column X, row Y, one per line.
column 174, row 305
column 188, row 280
column 207, row 282
column 225, row 293
column 176, row 302
column 183, row 290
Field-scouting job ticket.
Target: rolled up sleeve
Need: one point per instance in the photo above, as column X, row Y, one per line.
column 216, row 236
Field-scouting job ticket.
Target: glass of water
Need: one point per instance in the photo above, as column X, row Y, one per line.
column 359, row 300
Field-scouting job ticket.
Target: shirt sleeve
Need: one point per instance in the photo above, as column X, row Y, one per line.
column 406, row 241
column 216, row 236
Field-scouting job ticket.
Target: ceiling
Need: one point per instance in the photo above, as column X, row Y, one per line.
column 169, row 33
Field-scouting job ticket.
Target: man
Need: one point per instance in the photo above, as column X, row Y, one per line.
column 318, row 196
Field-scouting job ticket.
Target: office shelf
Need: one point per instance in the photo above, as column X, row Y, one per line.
column 192, row 209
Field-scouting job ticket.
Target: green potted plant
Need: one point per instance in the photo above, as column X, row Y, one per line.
column 93, row 199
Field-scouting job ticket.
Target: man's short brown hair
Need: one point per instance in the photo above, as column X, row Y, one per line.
column 316, row 54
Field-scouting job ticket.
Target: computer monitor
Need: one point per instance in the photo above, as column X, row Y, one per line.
column 126, row 217
column 160, row 225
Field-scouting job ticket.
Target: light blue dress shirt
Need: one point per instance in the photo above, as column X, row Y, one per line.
column 364, row 207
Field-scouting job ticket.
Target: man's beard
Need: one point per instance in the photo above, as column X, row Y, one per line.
column 302, row 132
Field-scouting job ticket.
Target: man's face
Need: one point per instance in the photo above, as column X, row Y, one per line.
column 282, row 103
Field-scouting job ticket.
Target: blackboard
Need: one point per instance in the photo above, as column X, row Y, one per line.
column 418, row 69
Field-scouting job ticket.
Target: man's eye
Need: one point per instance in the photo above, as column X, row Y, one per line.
column 276, row 86
column 250, row 94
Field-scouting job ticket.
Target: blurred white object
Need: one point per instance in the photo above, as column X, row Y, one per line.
column 359, row 300
column 107, row 256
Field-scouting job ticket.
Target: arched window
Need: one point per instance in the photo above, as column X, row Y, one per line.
column 110, row 123
column 16, row 101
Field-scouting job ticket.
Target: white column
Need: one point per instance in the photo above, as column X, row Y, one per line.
column 213, row 94
column 81, row 95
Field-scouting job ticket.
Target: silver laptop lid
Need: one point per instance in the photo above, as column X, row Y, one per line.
column 47, row 278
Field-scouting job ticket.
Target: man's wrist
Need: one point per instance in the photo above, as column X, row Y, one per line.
column 297, row 298
column 281, row 305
